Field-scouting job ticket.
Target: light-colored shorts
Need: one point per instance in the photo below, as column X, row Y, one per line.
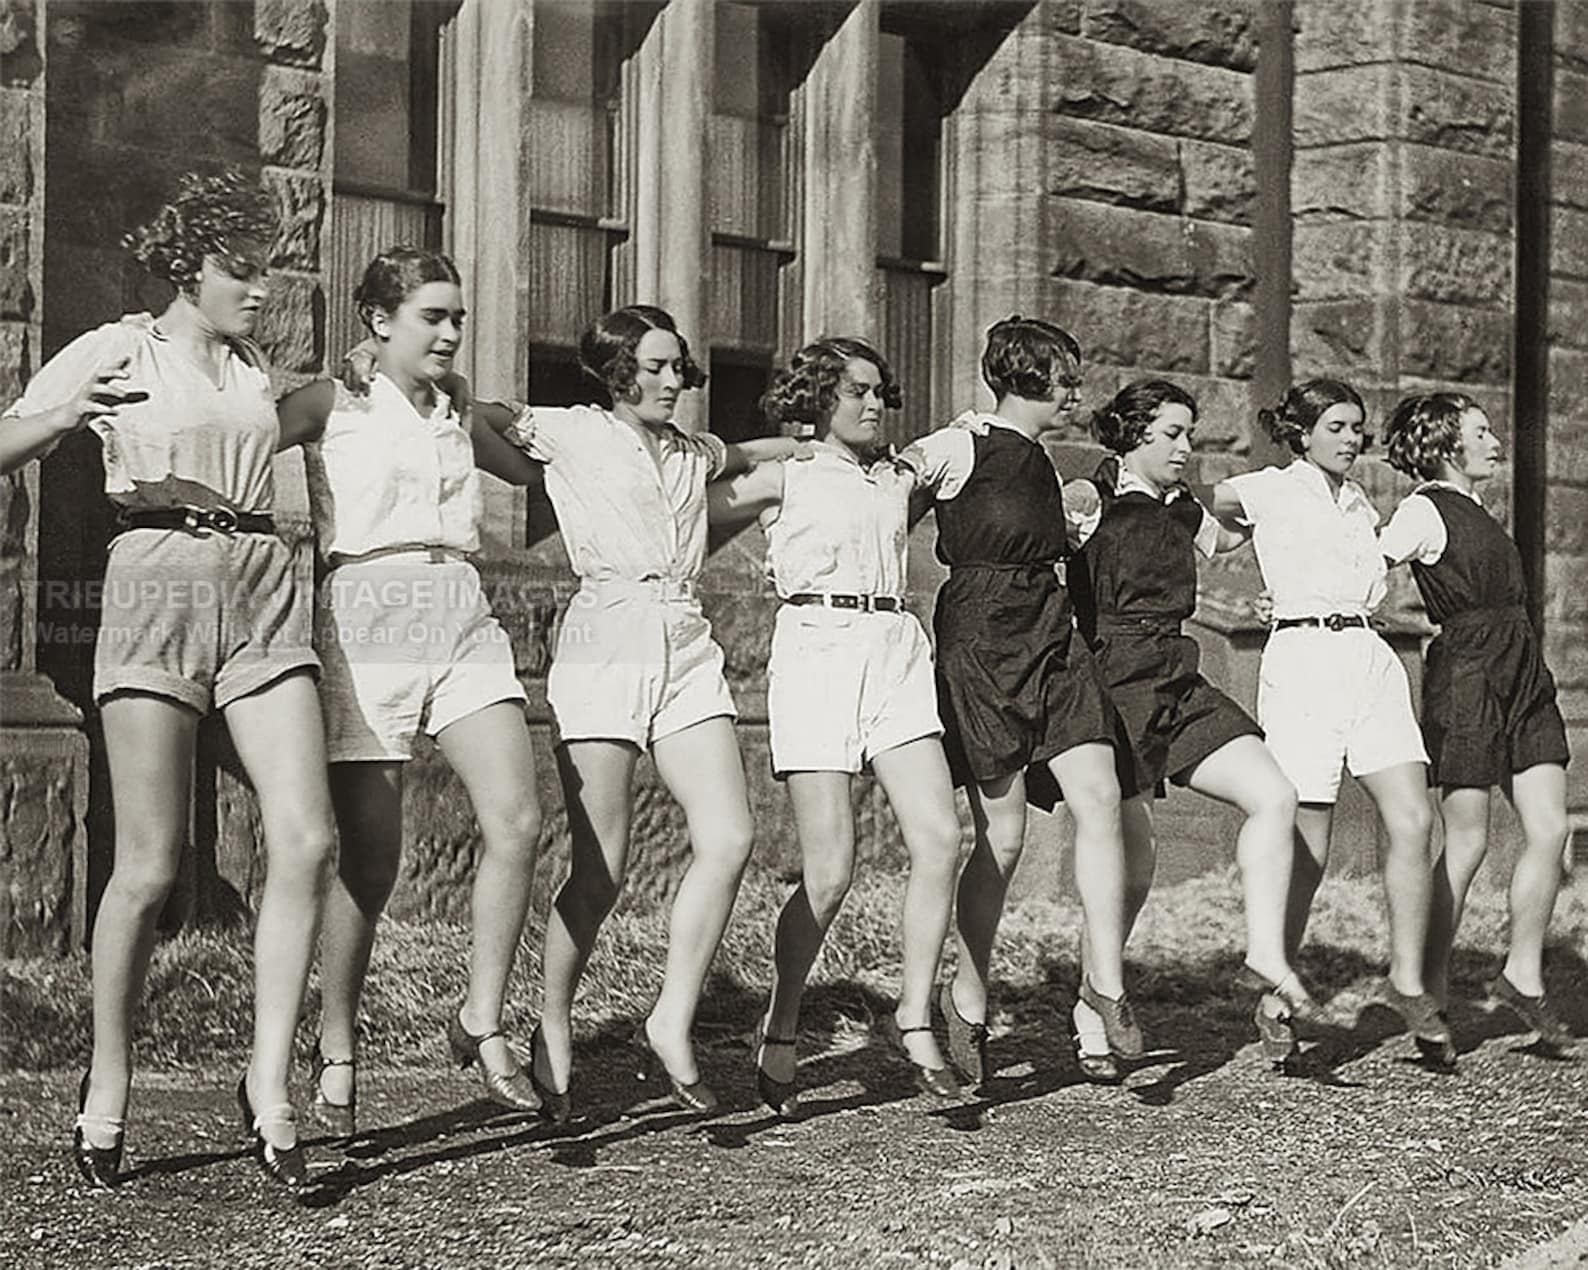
column 635, row 662
column 201, row 619
column 409, row 644
column 1326, row 697
column 843, row 687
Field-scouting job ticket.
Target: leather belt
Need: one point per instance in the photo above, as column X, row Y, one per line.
column 197, row 520
column 1334, row 622
column 861, row 603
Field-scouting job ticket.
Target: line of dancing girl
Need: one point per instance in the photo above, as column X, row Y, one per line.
column 1059, row 670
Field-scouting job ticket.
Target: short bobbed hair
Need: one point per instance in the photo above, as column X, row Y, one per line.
column 395, row 274
column 805, row 395
column 608, row 351
column 1123, row 423
column 209, row 216
column 1424, row 432
column 1022, row 354
column 1294, row 418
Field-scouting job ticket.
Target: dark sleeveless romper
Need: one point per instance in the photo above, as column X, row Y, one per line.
column 1133, row 583
column 1488, row 699
column 1015, row 685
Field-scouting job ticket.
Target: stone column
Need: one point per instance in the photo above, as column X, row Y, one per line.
column 838, row 227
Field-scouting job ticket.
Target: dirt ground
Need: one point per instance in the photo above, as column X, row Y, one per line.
column 1204, row 1157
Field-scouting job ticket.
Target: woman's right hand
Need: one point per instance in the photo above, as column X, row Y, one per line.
column 358, row 368
column 101, row 397
column 1263, row 607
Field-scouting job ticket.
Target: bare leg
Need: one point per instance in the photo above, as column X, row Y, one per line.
column 825, row 821
column 1401, row 793
column 279, row 737
column 1539, row 794
column 1141, row 860
column 491, row 753
column 702, row 769
column 149, row 746
column 916, row 779
column 597, row 781
column 1309, row 857
column 368, row 801
column 1466, row 816
column 1091, row 792
column 998, row 812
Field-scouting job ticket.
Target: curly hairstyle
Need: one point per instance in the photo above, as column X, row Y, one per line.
column 1424, row 432
column 208, row 217
column 1124, row 422
column 397, row 273
column 607, row 351
column 1022, row 355
column 1296, row 416
column 807, row 392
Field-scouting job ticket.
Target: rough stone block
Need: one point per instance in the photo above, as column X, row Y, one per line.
column 195, row 106
column 302, row 203
column 1141, row 330
column 1571, row 36
column 1341, row 182
column 291, row 31
column 292, row 323
column 1232, row 339
column 1466, row 190
column 20, row 62
column 1570, row 121
column 1457, row 35
column 1439, row 108
column 1566, row 525
column 43, row 801
column 1456, row 343
column 1340, row 261
column 1568, row 313
column 1063, row 16
column 1337, row 337
column 1219, row 182
column 1333, row 33
column 14, row 362
column 1565, row 590
column 1566, row 653
column 1223, row 33
column 1151, row 252
column 1107, row 164
column 1457, row 266
column 292, row 118
column 16, row 287
column 1137, row 90
column 1569, row 174
column 16, row 146
column 1568, row 241
column 1349, row 103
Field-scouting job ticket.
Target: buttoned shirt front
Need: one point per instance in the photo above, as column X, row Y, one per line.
column 624, row 515
column 1318, row 550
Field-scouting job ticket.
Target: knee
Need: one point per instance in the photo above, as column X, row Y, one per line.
column 1547, row 835
column 725, row 846
column 1094, row 804
column 1409, row 823
column 826, row 885
column 144, row 879
column 512, row 832
column 937, row 849
column 1000, row 850
column 1277, row 803
column 303, row 857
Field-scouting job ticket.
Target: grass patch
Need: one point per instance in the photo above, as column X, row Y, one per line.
column 1186, row 948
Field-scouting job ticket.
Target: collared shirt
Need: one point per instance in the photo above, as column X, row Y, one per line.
column 192, row 440
column 1416, row 530
column 1317, row 550
column 840, row 527
column 945, row 459
column 382, row 475
column 1084, row 525
column 624, row 515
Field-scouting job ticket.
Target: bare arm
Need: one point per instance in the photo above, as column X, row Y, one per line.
column 733, row 500
column 1227, row 505
column 744, row 455
column 302, row 413
column 493, row 453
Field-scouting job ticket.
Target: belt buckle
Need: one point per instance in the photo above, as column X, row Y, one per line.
column 1335, row 621
column 843, row 601
column 865, row 603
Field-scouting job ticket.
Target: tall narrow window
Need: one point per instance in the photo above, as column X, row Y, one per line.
column 384, row 189
column 748, row 213
column 909, row 128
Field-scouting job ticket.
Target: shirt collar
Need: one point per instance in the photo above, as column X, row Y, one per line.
column 1129, row 483
column 1351, row 494
column 1452, row 487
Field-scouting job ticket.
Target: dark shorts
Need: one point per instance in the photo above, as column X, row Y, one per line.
column 1173, row 717
column 1016, row 684
column 1489, row 705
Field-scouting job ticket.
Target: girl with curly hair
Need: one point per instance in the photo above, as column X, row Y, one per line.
column 1489, row 711
column 636, row 669
column 849, row 686
column 409, row 644
column 1134, row 580
column 1330, row 689
column 1025, row 712
column 201, row 613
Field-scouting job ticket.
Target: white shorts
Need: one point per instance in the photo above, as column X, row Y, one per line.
column 1326, row 697
column 408, row 643
column 845, row 686
column 635, row 662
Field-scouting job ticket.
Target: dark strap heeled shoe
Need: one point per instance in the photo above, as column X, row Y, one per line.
column 967, row 1041
column 1290, row 991
column 555, row 1105
column 282, row 1164
column 1119, row 1021
column 341, row 1118
column 1092, row 1054
column 1275, row 1031
column 100, row 1166
column 1427, row 1024
column 697, row 1097
column 515, row 1090
column 937, row 1081
column 781, row 1096
column 1536, row 1012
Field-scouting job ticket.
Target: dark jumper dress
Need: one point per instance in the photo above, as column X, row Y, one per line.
column 1014, row 685
column 1134, row 582
column 1488, row 699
